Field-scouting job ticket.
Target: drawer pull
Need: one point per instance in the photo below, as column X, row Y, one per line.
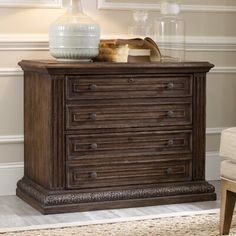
column 169, row 171
column 93, row 87
column 94, row 146
column 170, row 85
column 93, row 116
column 130, row 80
column 170, row 113
column 170, row 143
column 93, row 175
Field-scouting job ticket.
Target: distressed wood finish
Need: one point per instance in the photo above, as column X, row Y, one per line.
column 121, row 115
column 108, row 135
column 57, row 116
column 37, row 128
column 199, row 125
column 100, row 87
column 228, row 199
column 123, row 174
column 128, row 145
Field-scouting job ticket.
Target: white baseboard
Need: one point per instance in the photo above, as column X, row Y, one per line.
column 10, row 173
column 12, row 139
column 213, row 166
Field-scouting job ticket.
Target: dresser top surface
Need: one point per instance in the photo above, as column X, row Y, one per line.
column 45, row 66
column 56, row 64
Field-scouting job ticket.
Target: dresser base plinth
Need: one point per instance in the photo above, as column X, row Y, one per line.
column 52, row 202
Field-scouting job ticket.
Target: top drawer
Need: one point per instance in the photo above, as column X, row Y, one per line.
column 126, row 86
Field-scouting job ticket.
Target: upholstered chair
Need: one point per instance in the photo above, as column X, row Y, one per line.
column 228, row 178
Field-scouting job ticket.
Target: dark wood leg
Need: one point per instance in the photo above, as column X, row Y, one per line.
column 228, row 198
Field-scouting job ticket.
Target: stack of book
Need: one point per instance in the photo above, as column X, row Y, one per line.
column 128, row 50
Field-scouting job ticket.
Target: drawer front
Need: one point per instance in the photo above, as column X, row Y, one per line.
column 108, row 175
column 108, row 87
column 128, row 115
column 127, row 146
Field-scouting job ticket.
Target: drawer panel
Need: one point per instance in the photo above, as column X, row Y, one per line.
column 120, row 146
column 108, row 175
column 108, row 87
column 128, row 115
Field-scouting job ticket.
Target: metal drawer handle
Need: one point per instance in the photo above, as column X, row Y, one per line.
column 170, row 85
column 169, row 171
column 170, row 143
column 130, row 80
column 94, row 146
column 93, row 116
column 170, row 113
column 93, row 175
column 93, row 87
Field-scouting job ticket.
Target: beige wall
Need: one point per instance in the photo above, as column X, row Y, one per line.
column 211, row 36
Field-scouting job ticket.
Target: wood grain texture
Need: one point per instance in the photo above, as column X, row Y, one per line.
column 128, row 115
column 131, row 173
column 128, row 86
column 133, row 144
column 105, row 127
column 37, row 128
column 58, row 154
column 199, row 126
column 228, row 198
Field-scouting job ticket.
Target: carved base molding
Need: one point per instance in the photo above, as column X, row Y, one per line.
column 49, row 202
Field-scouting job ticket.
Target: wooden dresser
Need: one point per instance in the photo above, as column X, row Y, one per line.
column 113, row 135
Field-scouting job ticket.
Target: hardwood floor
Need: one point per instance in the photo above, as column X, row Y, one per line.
column 16, row 213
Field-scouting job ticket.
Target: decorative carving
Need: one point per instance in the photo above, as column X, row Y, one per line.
column 58, row 161
column 26, row 187
column 62, row 197
column 199, row 125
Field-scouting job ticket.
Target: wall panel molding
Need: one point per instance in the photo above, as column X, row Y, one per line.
column 16, row 71
column 12, row 139
column 223, row 70
column 31, row 3
column 215, row 131
column 211, row 43
column 24, row 42
column 9, row 72
column 105, row 5
column 32, row 42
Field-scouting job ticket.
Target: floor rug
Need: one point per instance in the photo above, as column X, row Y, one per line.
column 189, row 225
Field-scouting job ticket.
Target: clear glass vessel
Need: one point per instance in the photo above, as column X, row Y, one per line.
column 170, row 32
column 140, row 26
column 74, row 36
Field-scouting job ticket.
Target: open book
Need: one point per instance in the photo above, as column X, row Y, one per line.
column 128, row 50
